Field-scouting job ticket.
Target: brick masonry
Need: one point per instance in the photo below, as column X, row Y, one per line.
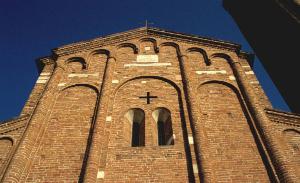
column 74, row 128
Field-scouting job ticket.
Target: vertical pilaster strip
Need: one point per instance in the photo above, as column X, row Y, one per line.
column 22, row 157
column 199, row 136
column 94, row 155
column 264, row 125
column 39, row 86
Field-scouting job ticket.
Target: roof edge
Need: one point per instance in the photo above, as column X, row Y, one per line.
column 13, row 120
column 283, row 113
column 248, row 56
column 92, row 43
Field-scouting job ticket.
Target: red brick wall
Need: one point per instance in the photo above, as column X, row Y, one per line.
column 70, row 111
column 287, row 130
column 63, row 145
column 232, row 148
column 163, row 163
column 6, row 144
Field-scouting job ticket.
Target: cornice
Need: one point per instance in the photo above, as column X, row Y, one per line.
column 139, row 32
column 290, row 118
column 248, row 56
column 13, row 124
column 98, row 42
column 195, row 38
column 48, row 60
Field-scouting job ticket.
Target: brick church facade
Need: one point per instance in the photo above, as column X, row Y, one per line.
column 149, row 105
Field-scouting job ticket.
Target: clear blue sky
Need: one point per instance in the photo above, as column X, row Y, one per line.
column 31, row 28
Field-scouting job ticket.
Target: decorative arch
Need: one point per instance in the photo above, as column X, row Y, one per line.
column 170, row 52
column 163, row 119
column 218, row 60
column 222, row 55
column 6, row 145
column 130, row 45
column 100, row 51
column 97, row 60
column 66, row 140
column 153, row 41
column 76, row 64
column 292, row 137
column 118, row 109
column 229, row 85
column 172, row 44
column 202, row 52
column 172, row 83
column 134, row 129
column 82, row 84
column 230, row 134
column 8, row 137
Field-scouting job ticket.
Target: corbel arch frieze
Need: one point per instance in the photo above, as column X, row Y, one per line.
column 202, row 52
column 130, row 45
column 172, row 44
column 153, row 41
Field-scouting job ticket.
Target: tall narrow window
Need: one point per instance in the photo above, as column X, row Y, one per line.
column 163, row 119
column 136, row 119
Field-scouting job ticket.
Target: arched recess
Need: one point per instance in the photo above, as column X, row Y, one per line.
column 231, row 146
column 97, row 60
column 221, row 61
column 169, row 52
column 125, row 54
column 163, row 119
column 6, row 145
column 129, row 45
column 65, row 142
column 75, row 64
column 148, row 46
column 134, row 127
column 126, row 97
column 292, row 138
column 198, row 57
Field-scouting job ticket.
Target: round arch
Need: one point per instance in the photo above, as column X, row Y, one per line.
column 94, row 88
column 202, row 52
column 130, row 45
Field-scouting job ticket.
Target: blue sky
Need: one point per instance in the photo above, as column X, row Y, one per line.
column 30, row 29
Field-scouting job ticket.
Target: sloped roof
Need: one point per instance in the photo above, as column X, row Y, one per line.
column 143, row 31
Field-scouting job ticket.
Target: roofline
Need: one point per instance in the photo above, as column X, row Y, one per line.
column 248, row 56
column 126, row 35
column 13, row 120
column 282, row 113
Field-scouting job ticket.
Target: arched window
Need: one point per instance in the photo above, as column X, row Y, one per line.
column 136, row 118
column 163, row 119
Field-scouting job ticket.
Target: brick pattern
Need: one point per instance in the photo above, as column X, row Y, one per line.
column 10, row 135
column 287, row 131
column 6, row 144
column 121, row 156
column 62, row 149
column 78, row 130
column 229, row 139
